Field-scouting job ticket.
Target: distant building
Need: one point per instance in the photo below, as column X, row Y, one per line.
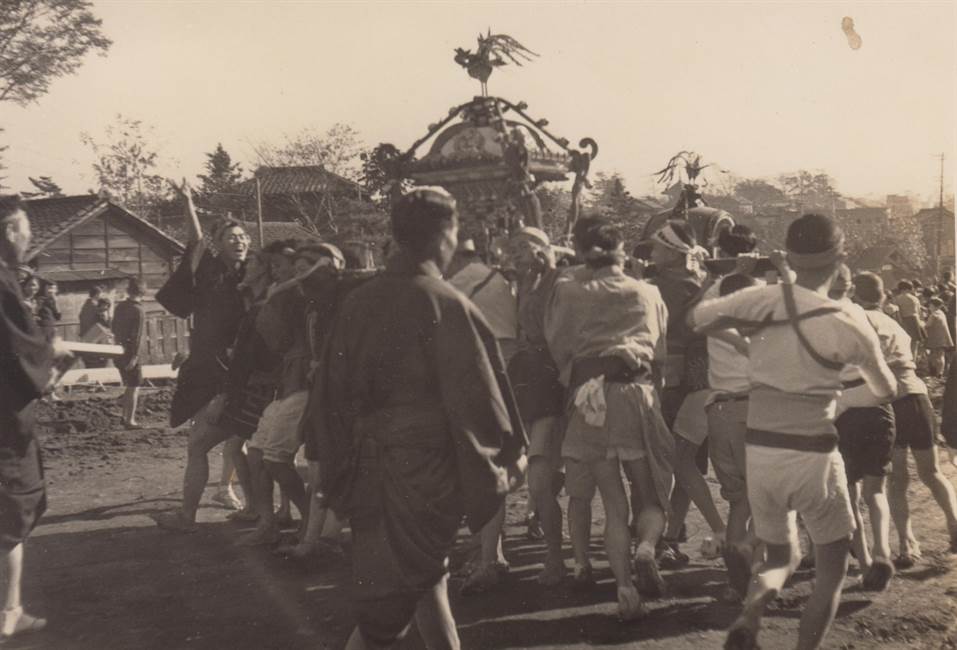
column 83, row 241
column 899, row 206
column 301, row 192
column 886, row 260
column 937, row 227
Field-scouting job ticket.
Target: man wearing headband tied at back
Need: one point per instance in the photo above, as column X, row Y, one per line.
column 417, row 427
column 538, row 391
column 800, row 342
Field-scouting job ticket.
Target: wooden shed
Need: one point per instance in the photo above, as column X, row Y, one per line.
column 87, row 240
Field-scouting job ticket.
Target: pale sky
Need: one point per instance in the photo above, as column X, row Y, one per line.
column 759, row 89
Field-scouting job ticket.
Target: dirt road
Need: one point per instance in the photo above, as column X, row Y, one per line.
column 107, row 578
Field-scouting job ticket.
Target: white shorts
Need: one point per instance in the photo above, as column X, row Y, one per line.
column 783, row 482
column 278, row 435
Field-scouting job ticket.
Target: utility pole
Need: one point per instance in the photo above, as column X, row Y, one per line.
column 259, row 213
column 940, row 219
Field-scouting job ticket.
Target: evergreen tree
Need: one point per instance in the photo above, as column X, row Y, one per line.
column 222, row 176
column 46, row 188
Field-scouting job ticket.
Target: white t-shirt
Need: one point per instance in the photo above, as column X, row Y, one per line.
column 793, row 393
column 727, row 368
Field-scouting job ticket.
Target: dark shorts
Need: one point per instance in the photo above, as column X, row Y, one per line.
column 133, row 377
column 916, row 422
column 22, row 493
column 534, row 379
column 866, row 440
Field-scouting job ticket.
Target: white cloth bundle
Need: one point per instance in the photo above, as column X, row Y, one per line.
column 590, row 401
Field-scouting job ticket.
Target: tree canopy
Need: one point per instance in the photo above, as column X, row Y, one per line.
column 45, row 188
column 41, row 40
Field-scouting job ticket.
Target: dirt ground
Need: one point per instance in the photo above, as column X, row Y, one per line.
column 107, row 578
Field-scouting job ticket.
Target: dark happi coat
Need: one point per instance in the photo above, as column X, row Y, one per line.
column 412, row 388
column 212, row 297
column 26, row 358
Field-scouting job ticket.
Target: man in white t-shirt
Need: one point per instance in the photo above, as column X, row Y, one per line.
column 727, row 412
column 799, row 342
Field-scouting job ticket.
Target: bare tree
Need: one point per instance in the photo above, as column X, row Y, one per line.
column 336, row 150
column 126, row 164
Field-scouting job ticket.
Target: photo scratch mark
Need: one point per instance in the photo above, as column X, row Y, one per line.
column 853, row 39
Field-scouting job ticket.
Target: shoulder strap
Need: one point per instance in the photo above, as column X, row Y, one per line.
column 481, row 285
column 791, row 306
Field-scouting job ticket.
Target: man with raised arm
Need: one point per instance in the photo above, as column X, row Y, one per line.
column 206, row 287
column 800, row 342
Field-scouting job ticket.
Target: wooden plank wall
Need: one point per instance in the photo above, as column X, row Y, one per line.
column 165, row 336
column 102, row 243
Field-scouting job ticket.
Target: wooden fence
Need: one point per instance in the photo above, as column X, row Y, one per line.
column 165, row 336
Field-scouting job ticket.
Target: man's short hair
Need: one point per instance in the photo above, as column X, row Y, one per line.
column 225, row 224
column 95, row 290
column 869, row 287
column 735, row 282
column 285, row 247
column 737, row 240
column 813, row 233
column 421, row 214
column 904, row 285
column 581, row 231
column 10, row 204
column 136, row 287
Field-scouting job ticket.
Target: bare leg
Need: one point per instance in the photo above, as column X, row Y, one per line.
column 766, row 584
column 129, row 404
column 928, row 469
column 875, row 495
column 692, row 483
column 203, row 436
column 433, row 616
column 617, row 537
column 290, row 482
column 607, row 475
column 830, row 565
column 267, row 531
column 579, row 528
column 491, row 535
column 859, row 540
column 14, row 566
column 651, row 516
column 234, row 451
column 540, row 489
column 900, row 510
column 13, row 620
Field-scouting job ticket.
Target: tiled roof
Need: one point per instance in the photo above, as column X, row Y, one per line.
column 933, row 213
column 298, row 180
column 873, row 258
column 275, row 231
column 51, row 218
